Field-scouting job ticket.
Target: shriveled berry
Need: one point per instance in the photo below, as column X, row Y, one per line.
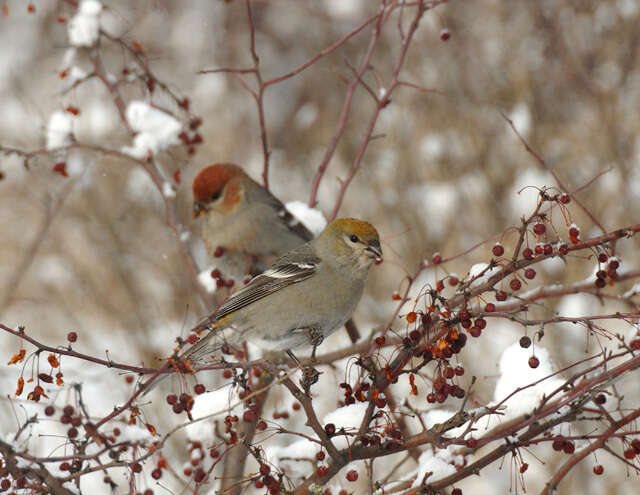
column 137, row 467
column 602, row 257
column 525, row 342
column 629, row 453
column 558, row 444
column 565, row 198
column 569, row 447
column 261, row 426
column 472, row 443
column 330, row 429
column 534, row 362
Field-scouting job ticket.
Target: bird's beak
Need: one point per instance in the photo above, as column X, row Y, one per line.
column 375, row 251
column 198, row 209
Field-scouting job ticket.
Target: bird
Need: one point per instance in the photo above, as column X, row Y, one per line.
column 240, row 217
column 302, row 298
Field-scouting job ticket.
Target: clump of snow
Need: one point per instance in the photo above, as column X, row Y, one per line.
column 347, row 417
column 59, row 129
column 156, row 129
column 207, row 404
column 439, row 465
column 477, row 269
column 167, row 190
column 290, row 457
column 515, row 372
column 207, row 281
column 306, row 115
column 521, row 118
column 84, row 27
column 310, row 217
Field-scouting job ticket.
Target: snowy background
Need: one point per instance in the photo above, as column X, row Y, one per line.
column 91, row 252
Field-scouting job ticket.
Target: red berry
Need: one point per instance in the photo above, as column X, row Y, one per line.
column 330, row 428
column 614, row 264
column 258, row 484
column 249, row 416
column 265, row 469
column 459, row 370
column 156, row 474
column 598, row 470
column 72, row 337
column 600, row 399
column 5, row 484
column 475, row 331
column 137, row 467
column 49, row 410
column 320, row 456
column 172, row 399
column 445, row 34
column 64, row 466
column 539, row 228
column 569, row 448
column 563, row 249
column 565, row 198
column 178, row 408
column 574, row 232
column 322, row 470
column 515, row 284
column 436, row 259
column 68, row 410
column 192, row 338
column 456, row 491
column 262, row 425
column 449, row 372
column 453, row 280
column 227, row 374
column 524, row 467
column 199, row 388
column 629, row 453
column 530, row 273
column 558, row 444
column 538, row 249
column 534, row 362
column 600, row 283
column 602, row 258
column 352, row 475
column 72, row 432
column 472, row 443
column 527, row 253
column 218, row 252
column 547, row 249
column 501, row 295
column 490, row 307
column 525, row 342
column 498, row 249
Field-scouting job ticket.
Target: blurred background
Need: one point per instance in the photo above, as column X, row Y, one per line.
column 92, row 253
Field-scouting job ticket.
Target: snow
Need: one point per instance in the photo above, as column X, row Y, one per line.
column 438, row 465
column 84, row 28
column 306, row 115
column 310, row 217
column 515, row 372
column 521, row 118
column 207, row 404
column 207, row 281
column 167, row 190
column 156, row 129
column 59, row 129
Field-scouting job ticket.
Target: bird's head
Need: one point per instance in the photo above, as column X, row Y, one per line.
column 352, row 242
column 219, row 188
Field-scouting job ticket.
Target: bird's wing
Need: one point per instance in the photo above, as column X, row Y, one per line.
column 291, row 268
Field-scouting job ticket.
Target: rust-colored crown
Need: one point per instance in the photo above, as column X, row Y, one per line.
column 213, row 178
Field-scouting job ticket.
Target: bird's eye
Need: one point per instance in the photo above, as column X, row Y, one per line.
column 215, row 195
column 353, row 238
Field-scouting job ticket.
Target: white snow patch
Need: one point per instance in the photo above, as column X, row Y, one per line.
column 167, row 190
column 521, row 118
column 156, row 129
column 84, row 27
column 59, row 129
column 348, row 418
column 207, row 281
column 310, row 217
column 515, row 372
column 438, row 465
column 306, row 115
column 207, row 404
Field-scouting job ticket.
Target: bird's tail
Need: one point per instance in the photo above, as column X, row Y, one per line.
column 199, row 353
